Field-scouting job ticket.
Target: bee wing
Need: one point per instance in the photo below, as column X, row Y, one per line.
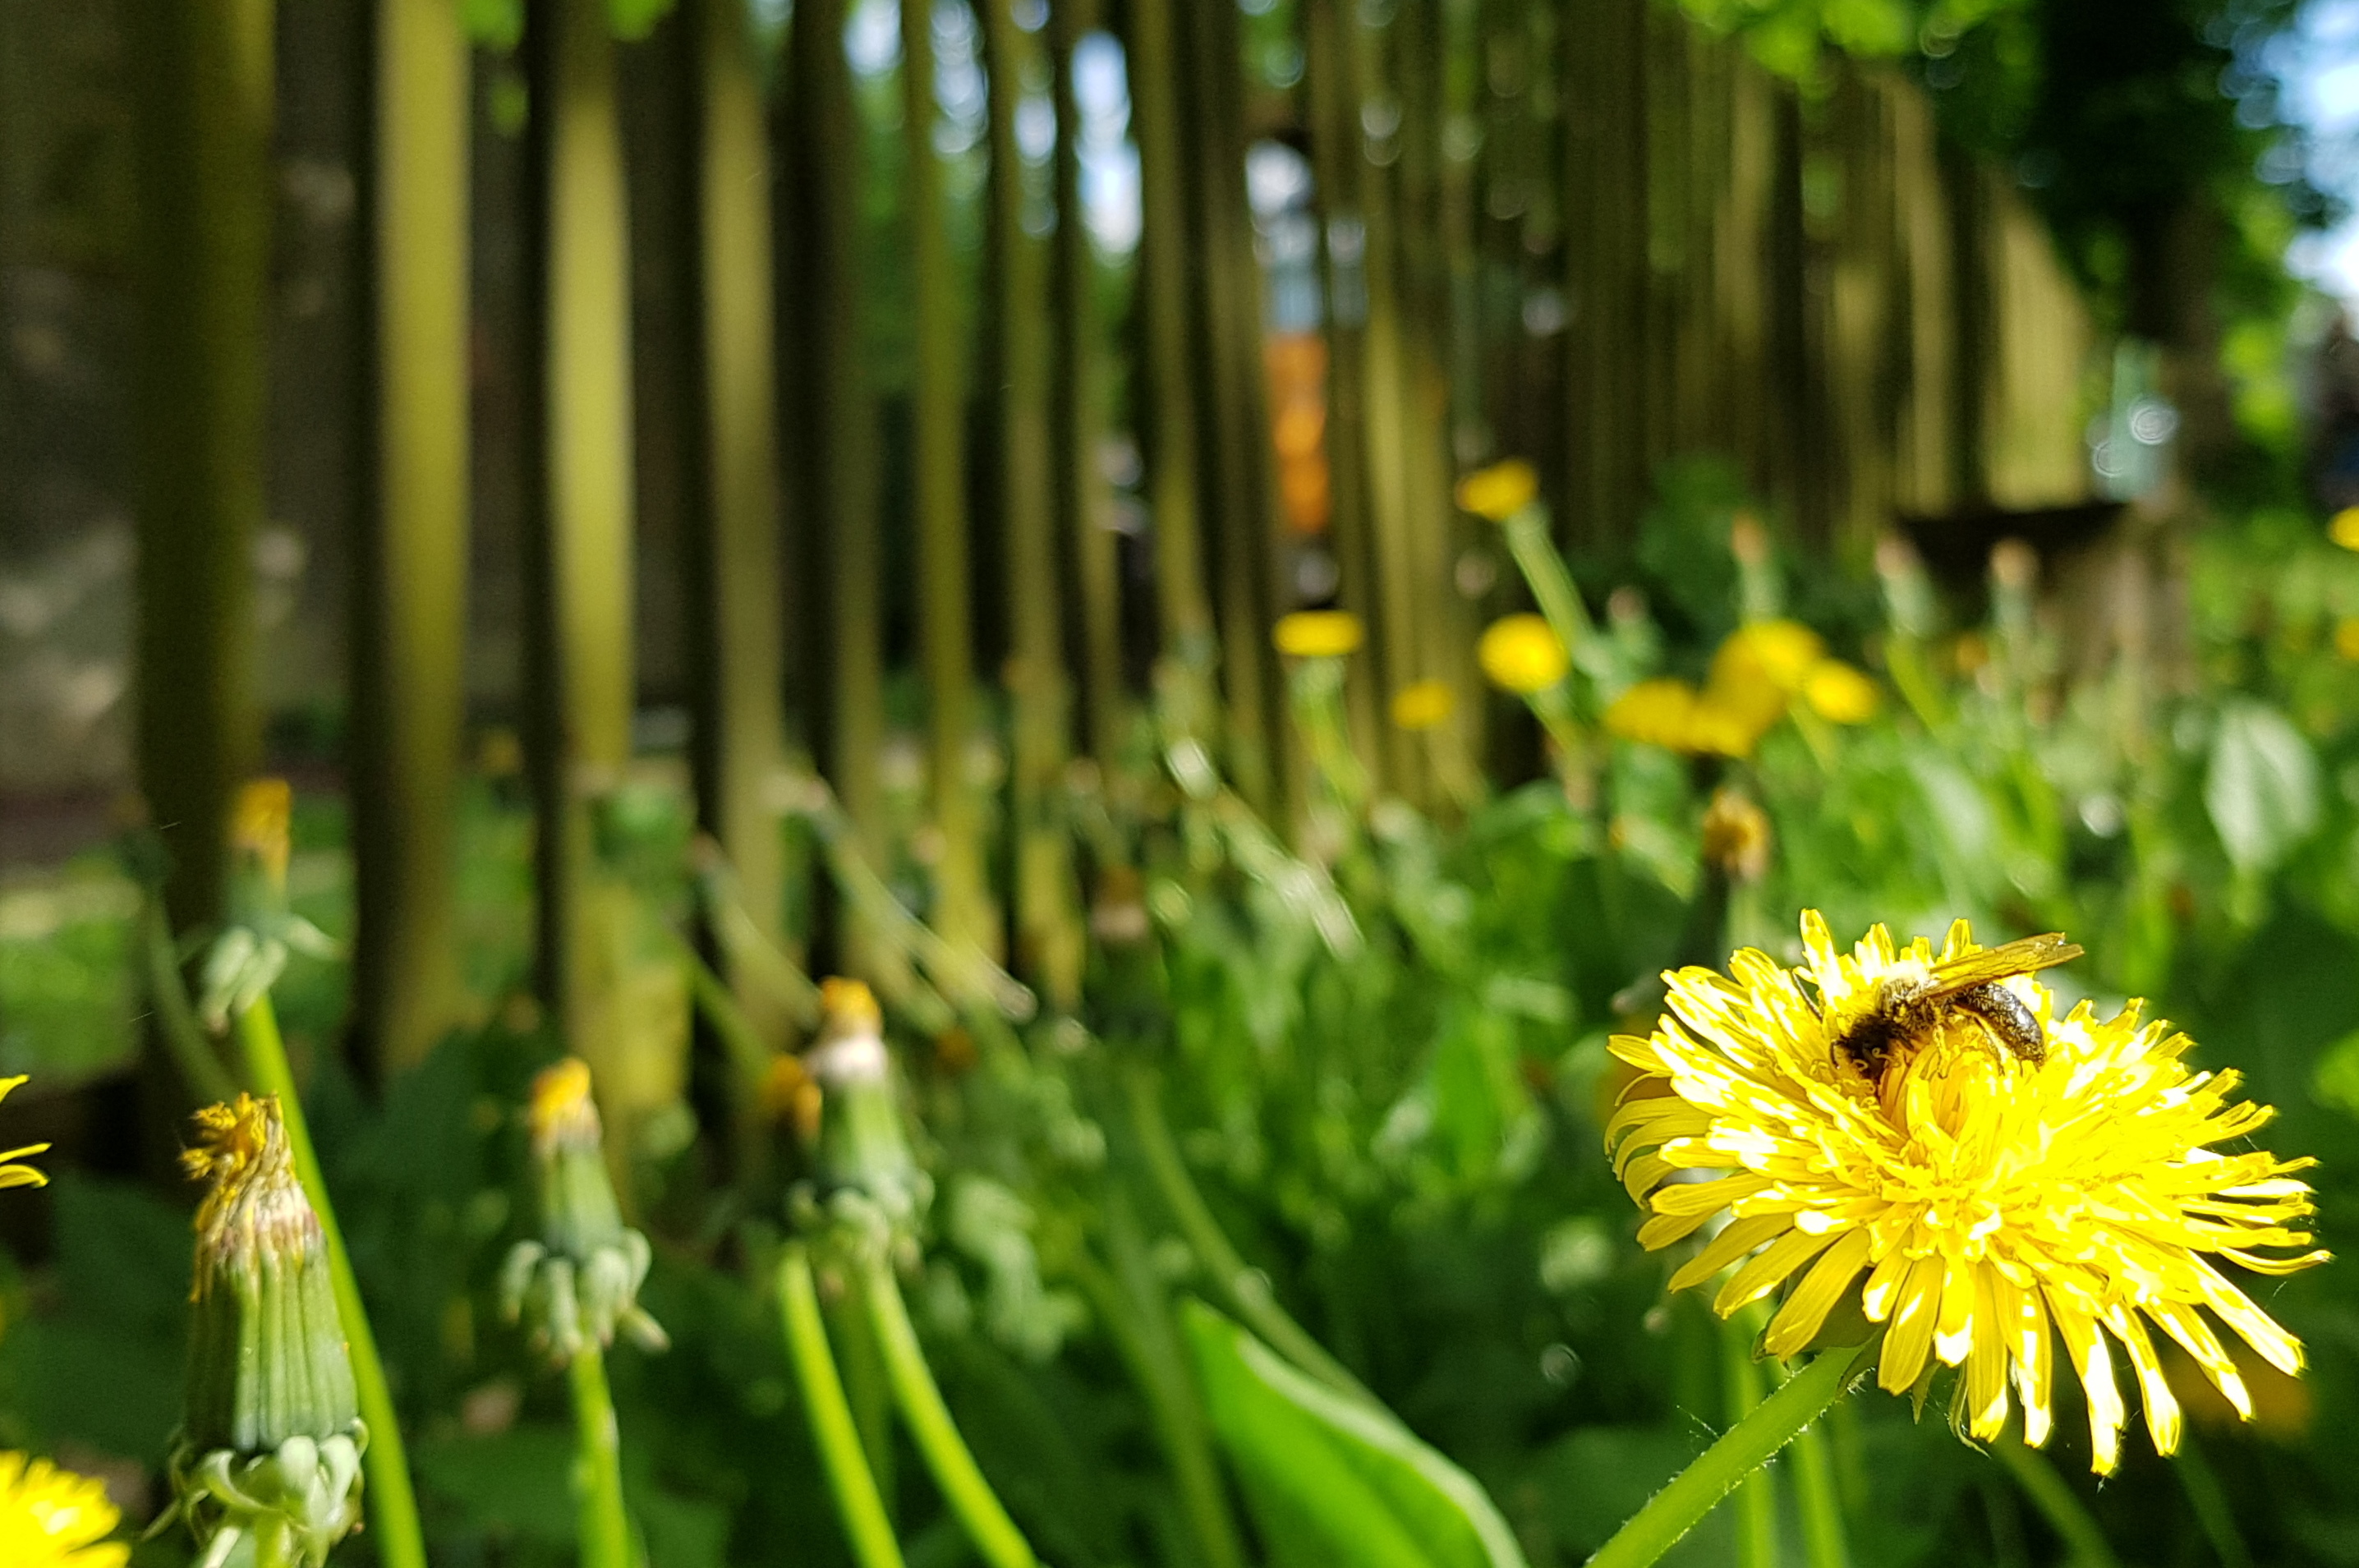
column 2024, row 956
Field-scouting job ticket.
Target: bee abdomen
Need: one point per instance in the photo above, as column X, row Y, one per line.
column 2010, row 1022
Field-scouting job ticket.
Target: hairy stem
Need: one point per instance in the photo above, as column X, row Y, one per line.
column 1742, row 1449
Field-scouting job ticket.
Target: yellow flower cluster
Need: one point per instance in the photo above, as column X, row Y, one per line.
column 1992, row 1203
column 1758, row 674
column 54, row 1519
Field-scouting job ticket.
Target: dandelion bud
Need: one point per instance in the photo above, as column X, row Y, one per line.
column 863, row 1162
column 1736, row 835
column 270, row 1444
column 13, row 1174
column 580, row 1281
column 1423, row 705
column 251, row 953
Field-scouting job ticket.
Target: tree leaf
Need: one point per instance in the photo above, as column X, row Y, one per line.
column 1332, row 1481
column 2262, row 787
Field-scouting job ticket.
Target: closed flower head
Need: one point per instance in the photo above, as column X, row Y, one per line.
column 579, row 1281
column 270, row 1443
column 1522, row 654
column 1985, row 1180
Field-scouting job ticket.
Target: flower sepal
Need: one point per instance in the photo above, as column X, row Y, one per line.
column 571, row 1305
column 294, row 1503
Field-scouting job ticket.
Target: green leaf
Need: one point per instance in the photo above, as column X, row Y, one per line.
column 1331, row 1481
column 2261, row 787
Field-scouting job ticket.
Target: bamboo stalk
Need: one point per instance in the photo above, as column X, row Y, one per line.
column 409, row 584
column 1172, row 452
column 961, row 901
column 732, row 553
column 1076, row 415
column 1333, row 114
column 1049, row 939
column 202, row 130
column 1227, row 376
column 579, row 593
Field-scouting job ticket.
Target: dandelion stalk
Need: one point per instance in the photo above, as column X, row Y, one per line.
column 857, row 1502
column 400, row 1537
column 1756, row 1498
column 1742, row 1449
column 978, row 1507
column 2085, row 1542
column 199, row 1065
column 1136, row 1318
column 1245, row 1289
column 1823, row 1542
column 598, row 1463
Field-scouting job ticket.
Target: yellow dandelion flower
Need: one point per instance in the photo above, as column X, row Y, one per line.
column 1840, row 692
column 54, row 1519
column 2346, row 637
column 1761, row 667
column 1423, row 705
column 2345, row 529
column 1522, row 654
column 1992, row 1203
column 1500, row 491
column 11, row 1173
column 1317, row 633
column 1672, row 713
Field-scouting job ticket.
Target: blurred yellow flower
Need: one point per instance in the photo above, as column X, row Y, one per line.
column 1673, row 714
column 1522, row 654
column 12, row 1175
column 1317, row 633
column 2346, row 637
column 1423, row 705
column 1839, row 693
column 2345, row 529
column 1736, row 835
column 54, row 1519
column 1977, row 1203
column 1500, row 491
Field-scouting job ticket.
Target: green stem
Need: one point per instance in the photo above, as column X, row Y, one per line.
column 201, row 1066
column 598, row 1463
column 1742, row 1449
column 1137, row 1318
column 962, row 1480
column 1246, row 1289
column 1823, row 1542
column 2210, row 1501
column 857, row 1502
column 1544, row 572
column 2057, row 1502
column 392, row 1502
column 1756, row 1498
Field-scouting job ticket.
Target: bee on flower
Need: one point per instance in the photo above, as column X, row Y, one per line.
column 1981, row 1177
